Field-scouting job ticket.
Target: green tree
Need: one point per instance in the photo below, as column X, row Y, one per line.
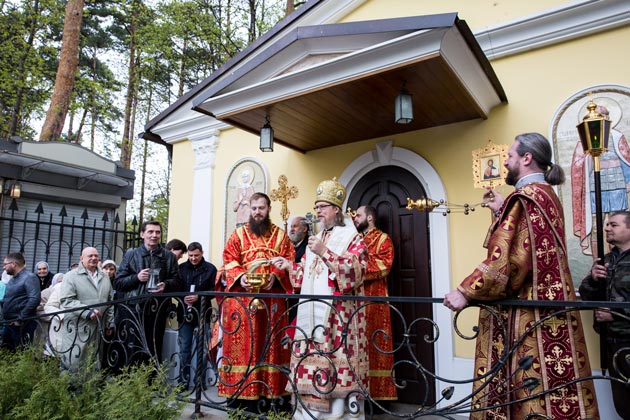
column 64, row 81
column 29, row 34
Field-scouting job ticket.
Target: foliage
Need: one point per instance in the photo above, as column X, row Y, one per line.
column 33, row 387
column 136, row 57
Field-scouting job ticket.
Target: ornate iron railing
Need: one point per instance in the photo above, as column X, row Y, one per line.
column 65, row 333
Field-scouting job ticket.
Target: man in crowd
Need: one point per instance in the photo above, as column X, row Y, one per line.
column 527, row 260
column 609, row 282
column 21, row 298
column 298, row 233
column 197, row 275
column 380, row 258
column 335, row 264
column 299, row 237
column 248, row 250
column 177, row 247
column 83, row 286
column 144, row 273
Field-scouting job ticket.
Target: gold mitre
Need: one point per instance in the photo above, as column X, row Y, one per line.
column 331, row 192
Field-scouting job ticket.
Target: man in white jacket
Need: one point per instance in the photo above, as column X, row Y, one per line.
column 85, row 285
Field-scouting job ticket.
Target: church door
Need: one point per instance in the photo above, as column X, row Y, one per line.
column 387, row 188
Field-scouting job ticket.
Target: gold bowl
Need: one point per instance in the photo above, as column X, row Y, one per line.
column 258, row 281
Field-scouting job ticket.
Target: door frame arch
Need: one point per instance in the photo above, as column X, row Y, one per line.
column 384, row 154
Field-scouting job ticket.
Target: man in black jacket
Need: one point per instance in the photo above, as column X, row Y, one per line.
column 610, row 282
column 21, row 298
column 143, row 274
column 197, row 275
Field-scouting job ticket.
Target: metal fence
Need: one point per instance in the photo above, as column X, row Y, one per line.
column 58, row 237
column 64, row 334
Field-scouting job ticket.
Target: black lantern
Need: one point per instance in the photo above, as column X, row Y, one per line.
column 594, row 131
column 403, row 106
column 266, row 137
column 16, row 190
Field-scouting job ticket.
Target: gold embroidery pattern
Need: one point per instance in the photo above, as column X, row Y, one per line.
column 558, row 359
column 547, row 251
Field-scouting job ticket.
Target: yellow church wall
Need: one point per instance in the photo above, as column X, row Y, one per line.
column 478, row 14
column 536, row 84
column 181, row 191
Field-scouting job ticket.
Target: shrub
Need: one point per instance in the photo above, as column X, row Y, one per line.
column 34, row 387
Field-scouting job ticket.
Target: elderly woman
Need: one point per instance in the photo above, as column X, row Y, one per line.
column 44, row 275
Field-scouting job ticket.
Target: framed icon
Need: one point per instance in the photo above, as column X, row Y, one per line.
column 488, row 169
column 245, row 177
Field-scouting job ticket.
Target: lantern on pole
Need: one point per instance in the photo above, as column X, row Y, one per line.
column 594, row 131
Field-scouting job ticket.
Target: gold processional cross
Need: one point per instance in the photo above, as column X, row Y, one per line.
column 284, row 193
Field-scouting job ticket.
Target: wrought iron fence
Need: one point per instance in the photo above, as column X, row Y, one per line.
column 136, row 338
column 58, row 237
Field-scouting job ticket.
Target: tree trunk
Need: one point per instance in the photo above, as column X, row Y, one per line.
column 182, row 68
column 71, row 126
column 126, row 146
column 77, row 139
column 64, row 82
column 289, row 8
column 145, row 154
column 252, row 21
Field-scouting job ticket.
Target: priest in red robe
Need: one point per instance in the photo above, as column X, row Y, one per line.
column 250, row 366
column 527, row 259
column 379, row 321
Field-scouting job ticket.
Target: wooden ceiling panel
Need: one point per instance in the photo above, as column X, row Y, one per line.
column 364, row 108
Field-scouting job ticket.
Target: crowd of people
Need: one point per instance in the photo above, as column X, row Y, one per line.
column 270, row 352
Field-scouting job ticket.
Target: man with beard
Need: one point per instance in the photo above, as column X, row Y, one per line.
column 251, row 366
column 380, row 258
column 329, row 365
column 527, row 260
column 299, row 236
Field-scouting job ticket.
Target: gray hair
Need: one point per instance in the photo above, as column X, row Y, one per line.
column 540, row 149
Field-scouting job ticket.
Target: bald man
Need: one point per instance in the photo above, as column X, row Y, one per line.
column 84, row 286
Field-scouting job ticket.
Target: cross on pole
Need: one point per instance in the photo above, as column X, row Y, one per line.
column 284, row 193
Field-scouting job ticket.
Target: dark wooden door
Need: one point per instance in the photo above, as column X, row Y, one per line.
column 387, row 188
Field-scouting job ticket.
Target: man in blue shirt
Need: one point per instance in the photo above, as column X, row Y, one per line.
column 21, row 298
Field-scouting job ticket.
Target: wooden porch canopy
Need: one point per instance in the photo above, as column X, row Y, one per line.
column 327, row 85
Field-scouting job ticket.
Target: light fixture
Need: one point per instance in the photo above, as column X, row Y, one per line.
column 403, row 106
column 16, row 190
column 594, row 131
column 266, row 137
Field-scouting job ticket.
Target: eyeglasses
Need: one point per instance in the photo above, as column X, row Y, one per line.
column 4, row 264
column 321, row 206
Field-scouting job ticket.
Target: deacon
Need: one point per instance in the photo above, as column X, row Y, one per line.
column 380, row 258
column 527, row 260
column 246, row 329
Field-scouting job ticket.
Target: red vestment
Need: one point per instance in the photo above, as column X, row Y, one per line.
column 380, row 259
column 339, row 359
column 244, row 330
column 527, row 260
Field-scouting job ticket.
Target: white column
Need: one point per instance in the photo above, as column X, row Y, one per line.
column 204, row 147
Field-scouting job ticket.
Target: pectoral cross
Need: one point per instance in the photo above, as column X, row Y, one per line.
column 284, row 193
